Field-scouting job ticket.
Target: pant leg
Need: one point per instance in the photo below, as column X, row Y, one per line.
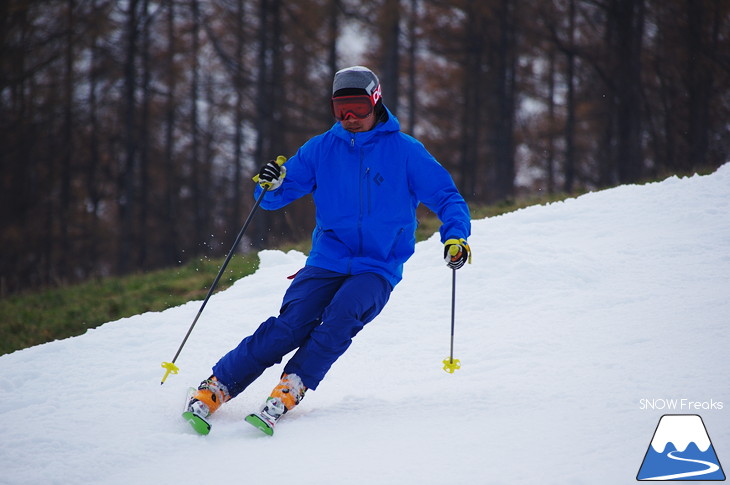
column 357, row 302
column 301, row 311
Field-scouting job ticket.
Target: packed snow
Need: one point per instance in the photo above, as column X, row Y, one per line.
column 578, row 325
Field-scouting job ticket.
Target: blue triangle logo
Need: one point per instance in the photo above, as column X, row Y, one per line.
column 681, row 450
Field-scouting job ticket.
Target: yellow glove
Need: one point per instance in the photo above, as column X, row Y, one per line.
column 456, row 253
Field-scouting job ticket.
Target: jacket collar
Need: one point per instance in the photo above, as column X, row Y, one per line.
column 392, row 125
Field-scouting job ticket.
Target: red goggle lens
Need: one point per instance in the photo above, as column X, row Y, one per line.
column 358, row 106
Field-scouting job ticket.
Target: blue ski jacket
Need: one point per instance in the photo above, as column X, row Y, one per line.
column 366, row 187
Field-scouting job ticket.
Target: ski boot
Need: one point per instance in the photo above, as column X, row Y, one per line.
column 203, row 402
column 283, row 399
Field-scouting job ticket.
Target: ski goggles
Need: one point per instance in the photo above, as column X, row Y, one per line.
column 358, row 106
column 345, row 107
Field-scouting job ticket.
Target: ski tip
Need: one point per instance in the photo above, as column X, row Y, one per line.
column 256, row 421
column 200, row 425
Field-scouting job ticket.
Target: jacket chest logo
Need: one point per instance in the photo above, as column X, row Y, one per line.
column 378, row 179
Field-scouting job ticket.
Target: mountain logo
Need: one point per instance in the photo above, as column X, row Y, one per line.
column 680, row 450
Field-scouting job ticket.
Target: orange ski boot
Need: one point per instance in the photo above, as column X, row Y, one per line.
column 203, row 402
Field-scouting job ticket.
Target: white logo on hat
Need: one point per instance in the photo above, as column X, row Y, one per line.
column 376, row 94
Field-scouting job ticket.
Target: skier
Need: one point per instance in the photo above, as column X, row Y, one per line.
column 367, row 178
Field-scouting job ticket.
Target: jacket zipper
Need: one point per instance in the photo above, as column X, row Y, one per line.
column 361, row 209
column 368, row 191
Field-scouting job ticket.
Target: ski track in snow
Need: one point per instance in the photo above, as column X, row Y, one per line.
column 569, row 315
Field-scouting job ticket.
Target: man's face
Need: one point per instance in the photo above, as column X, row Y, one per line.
column 356, row 112
column 356, row 125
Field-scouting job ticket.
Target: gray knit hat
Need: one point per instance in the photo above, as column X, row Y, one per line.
column 357, row 77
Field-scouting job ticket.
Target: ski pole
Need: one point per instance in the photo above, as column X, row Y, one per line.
column 451, row 364
column 170, row 367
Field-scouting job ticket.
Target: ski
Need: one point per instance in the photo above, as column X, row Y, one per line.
column 261, row 422
column 266, row 419
column 196, row 421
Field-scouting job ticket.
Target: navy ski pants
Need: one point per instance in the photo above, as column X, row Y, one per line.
column 320, row 314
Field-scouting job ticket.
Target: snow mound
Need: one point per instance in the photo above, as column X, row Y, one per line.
column 571, row 315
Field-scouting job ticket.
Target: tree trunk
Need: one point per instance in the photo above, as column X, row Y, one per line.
column 127, row 196
column 569, row 163
column 170, row 243
column 390, row 41
column 699, row 86
column 629, row 18
column 236, row 211
column 65, row 257
column 144, row 142
column 506, row 81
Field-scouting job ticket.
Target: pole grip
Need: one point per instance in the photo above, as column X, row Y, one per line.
column 280, row 160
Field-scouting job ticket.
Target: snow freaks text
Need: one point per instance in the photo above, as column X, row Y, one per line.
column 688, row 405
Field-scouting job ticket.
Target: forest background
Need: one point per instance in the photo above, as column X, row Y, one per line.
column 129, row 130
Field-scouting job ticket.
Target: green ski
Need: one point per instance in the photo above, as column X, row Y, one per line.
column 260, row 422
column 196, row 421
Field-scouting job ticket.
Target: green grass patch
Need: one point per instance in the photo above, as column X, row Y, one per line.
column 36, row 318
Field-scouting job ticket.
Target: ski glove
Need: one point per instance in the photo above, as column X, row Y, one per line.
column 271, row 175
column 456, row 253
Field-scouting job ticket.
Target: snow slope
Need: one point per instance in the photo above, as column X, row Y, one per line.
column 575, row 323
